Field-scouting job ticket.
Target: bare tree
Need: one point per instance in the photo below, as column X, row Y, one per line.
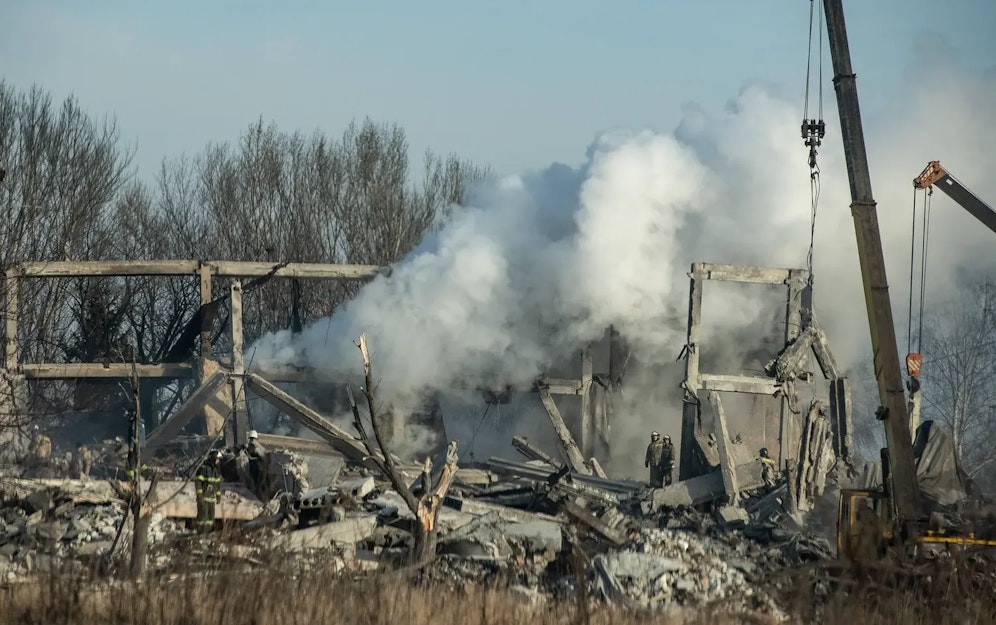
column 958, row 379
column 959, row 373
column 294, row 198
column 62, row 171
column 427, row 505
column 270, row 196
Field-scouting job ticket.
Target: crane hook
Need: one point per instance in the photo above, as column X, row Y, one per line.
column 813, row 131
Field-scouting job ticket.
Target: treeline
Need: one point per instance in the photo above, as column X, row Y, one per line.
column 71, row 193
column 958, row 377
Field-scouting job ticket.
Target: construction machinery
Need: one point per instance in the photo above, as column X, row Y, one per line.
column 895, row 514
column 935, row 176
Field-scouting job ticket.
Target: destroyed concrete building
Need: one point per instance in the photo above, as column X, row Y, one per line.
column 690, row 543
column 718, row 454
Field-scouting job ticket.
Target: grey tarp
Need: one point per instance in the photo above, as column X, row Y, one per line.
column 938, row 471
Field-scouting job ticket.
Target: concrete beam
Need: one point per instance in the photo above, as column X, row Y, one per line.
column 841, row 421
column 303, row 271
column 172, row 426
column 346, row 532
column 69, row 269
column 539, row 474
column 240, row 425
column 297, row 444
column 480, row 508
column 690, row 406
column 739, row 273
column 571, row 451
column 559, row 386
column 587, row 429
column 229, row 268
column 728, row 471
column 532, row 452
column 703, row 489
column 109, row 370
column 12, row 290
column 791, row 363
column 737, row 384
column 205, row 292
column 824, row 357
column 341, row 440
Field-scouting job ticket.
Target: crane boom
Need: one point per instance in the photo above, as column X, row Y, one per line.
column 905, row 491
column 935, row 175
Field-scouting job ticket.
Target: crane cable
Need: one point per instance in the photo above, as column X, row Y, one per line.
column 924, row 239
column 809, row 60
column 813, row 129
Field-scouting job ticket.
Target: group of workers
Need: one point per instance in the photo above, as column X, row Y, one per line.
column 41, row 463
column 247, row 464
column 660, row 461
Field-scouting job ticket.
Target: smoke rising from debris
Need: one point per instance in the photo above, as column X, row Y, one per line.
column 540, row 264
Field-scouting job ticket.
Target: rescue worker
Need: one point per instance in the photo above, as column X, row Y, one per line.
column 654, row 460
column 79, row 467
column 41, row 447
column 207, row 485
column 667, row 462
column 768, row 468
column 257, row 463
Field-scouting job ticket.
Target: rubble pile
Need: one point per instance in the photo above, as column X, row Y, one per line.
column 539, row 530
column 664, row 567
column 49, row 531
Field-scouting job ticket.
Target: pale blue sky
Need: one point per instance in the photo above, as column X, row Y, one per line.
column 515, row 84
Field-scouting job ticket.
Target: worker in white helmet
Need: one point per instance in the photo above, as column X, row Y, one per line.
column 258, row 466
column 654, row 460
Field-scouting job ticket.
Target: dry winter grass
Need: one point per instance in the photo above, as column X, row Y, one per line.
column 231, row 597
column 261, row 599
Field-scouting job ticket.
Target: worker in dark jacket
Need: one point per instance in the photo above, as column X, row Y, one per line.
column 654, row 460
column 667, row 461
column 207, row 484
column 258, row 468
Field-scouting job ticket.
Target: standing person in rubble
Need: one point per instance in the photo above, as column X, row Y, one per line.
column 654, row 460
column 257, row 463
column 768, row 468
column 79, row 467
column 207, row 484
column 667, row 462
column 41, row 447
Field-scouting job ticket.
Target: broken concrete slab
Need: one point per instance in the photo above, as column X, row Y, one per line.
column 597, row 469
column 473, row 477
column 536, row 536
column 358, row 487
column 534, row 453
column 175, row 499
column 542, row 474
column 178, row 500
column 576, row 512
column 492, row 538
column 346, row 532
column 480, row 508
column 732, row 515
column 76, row 491
column 701, row 489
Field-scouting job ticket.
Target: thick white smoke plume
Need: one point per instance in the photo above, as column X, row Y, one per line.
column 542, row 263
